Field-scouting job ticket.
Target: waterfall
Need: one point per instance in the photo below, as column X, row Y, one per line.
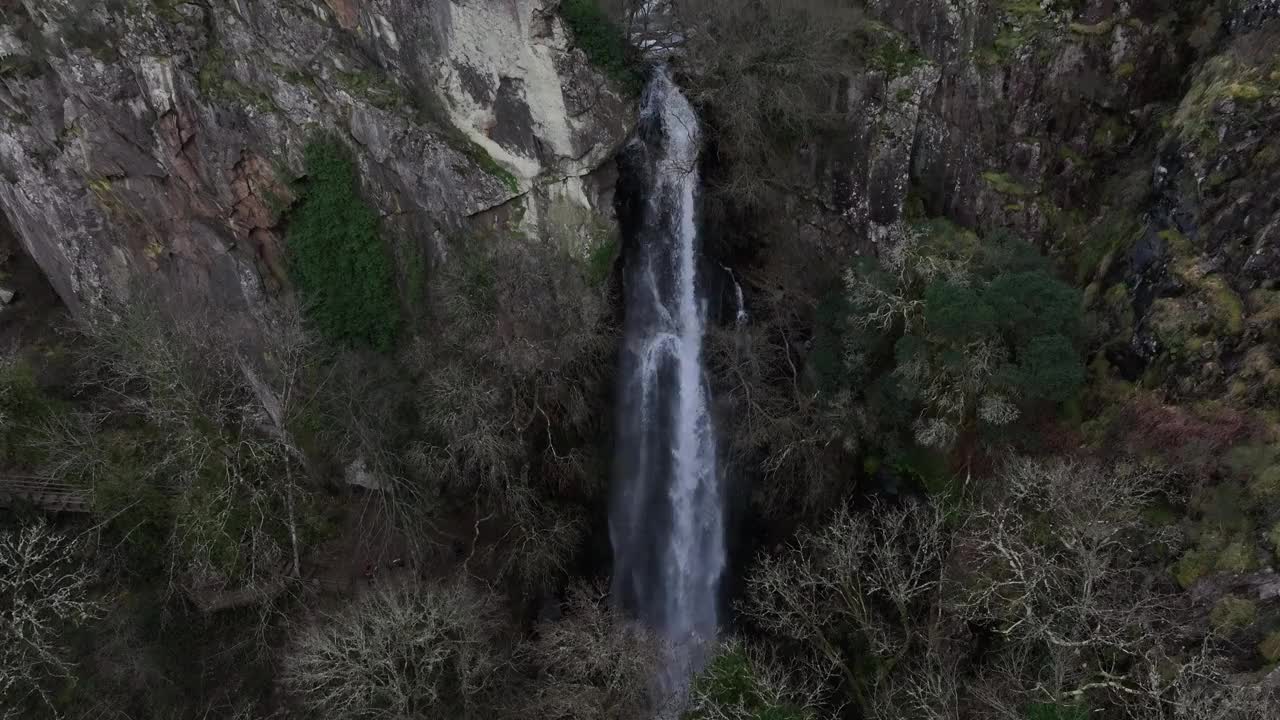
column 667, row 519
column 740, row 316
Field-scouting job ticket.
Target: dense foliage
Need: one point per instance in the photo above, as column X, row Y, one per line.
column 971, row 334
column 337, row 256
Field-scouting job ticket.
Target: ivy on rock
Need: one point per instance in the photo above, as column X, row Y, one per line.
column 337, row 256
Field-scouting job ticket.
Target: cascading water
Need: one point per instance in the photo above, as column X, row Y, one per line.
column 667, row 520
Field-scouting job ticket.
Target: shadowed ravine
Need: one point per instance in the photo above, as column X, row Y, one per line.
column 667, row 521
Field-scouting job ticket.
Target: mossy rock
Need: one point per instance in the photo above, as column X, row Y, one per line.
column 1095, row 30
column 1268, row 157
column 1228, row 310
column 1233, row 613
column 1221, row 83
column 1111, row 133
column 1259, row 466
column 1181, row 327
column 1274, row 538
column 1264, row 314
column 1119, row 306
column 1004, row 184
column 1111, row 237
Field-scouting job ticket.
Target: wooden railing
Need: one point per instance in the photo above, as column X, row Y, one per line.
column 45, row 493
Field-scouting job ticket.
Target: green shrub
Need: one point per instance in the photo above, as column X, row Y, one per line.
column 1269, row 648
column 336, row 256
column 1057, row 711
column 24, row 405
column 1238, row 557
column 602, row 40
column 1233, row 613
column 734, row 686
column 1192, row 566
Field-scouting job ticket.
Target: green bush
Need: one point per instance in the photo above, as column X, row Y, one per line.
column 601, row 260
column 602, row 40
column 1233, row 613
column 337, row 257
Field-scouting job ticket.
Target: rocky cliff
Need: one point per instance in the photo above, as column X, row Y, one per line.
column 159, row 139
column 1133, row 141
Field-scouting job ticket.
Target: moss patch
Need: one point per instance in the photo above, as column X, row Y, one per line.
column 1006, row 185
column 374, row 90
column 893, row 56
column 1096, row 29
column 601, row 257
column 1222, row 79
column 731, row 683
column 485, row 162
column 215, row 84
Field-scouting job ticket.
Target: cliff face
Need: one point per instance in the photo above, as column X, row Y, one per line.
column 1133, row 141
column 158, row 139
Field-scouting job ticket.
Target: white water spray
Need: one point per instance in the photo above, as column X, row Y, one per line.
column 667, row 520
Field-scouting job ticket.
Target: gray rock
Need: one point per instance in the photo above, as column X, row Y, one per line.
column 358, row 474
column 154, row 153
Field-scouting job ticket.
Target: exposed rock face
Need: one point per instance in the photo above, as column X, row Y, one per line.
column 1134, row 141
column 159, row 138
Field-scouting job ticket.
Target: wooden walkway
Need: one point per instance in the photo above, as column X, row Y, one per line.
column 45, row 493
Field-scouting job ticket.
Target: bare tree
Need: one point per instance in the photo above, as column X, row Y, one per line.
column 790, row 434
column 594, row 664
column 511, row 383
column 1053, row 558
column 876, row 575
column 181, row 409
column 765, row 97
column 45, row 589
column 401, row 652
column 1198, row 687
column 1055, row 555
